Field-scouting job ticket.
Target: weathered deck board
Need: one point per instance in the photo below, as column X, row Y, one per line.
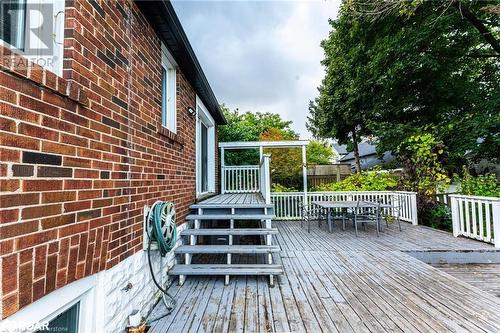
column 342, row 283
column 483, row 276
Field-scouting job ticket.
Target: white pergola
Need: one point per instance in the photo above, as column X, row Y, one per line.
column 237, row 145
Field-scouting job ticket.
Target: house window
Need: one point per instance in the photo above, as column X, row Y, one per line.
column 168, row 91
column 205, row 150
column 67, row 321
column 34, row 29
column 12, row 28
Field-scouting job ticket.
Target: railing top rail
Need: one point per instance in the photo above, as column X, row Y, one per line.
column 344, row 192
column 473, row 197
column 241, row 166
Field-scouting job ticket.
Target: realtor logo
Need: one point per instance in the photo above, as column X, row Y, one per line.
column 28, row 27
column 34, row 29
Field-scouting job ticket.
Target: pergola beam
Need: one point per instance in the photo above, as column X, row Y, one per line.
column 264, row 144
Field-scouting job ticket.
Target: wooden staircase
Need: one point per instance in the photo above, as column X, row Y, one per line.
column 228, row 209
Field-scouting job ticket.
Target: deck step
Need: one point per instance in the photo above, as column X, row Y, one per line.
column 229, row 217
column 225, row 269
column 238, row 232
column 227, row 249
column 231, row 205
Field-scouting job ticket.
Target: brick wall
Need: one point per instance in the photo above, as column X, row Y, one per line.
column 81, row 155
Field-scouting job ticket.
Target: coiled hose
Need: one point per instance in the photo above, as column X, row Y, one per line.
column 161, row 228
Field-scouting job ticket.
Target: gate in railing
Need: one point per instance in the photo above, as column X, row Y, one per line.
column 476, row 217
column 287, row 205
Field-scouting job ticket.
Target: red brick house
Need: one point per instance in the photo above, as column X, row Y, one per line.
column 117, row 115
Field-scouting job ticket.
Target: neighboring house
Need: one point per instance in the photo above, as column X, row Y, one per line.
column 120, row 116
column 367, row 153
column 339, row 150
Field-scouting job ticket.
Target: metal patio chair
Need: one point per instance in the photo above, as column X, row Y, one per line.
column 309, row 214
column 366, row 214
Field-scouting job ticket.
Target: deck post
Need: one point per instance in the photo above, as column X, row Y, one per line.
column 304, row 172
column 495, row 206
column 222, row 172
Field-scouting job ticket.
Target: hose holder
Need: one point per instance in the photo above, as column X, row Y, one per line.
column 159, row 227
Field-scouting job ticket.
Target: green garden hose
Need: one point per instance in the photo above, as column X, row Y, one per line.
column 161, row 228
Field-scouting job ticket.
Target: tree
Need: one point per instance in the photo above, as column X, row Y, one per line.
column 478, row 14
column 286, row 163
column 345, row 96
column 249, row 126
column 319, row 152
column 408, row 72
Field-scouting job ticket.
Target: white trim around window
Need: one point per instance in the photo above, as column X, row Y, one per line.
column 168, row 90
column 203, row 118
column 50, row 306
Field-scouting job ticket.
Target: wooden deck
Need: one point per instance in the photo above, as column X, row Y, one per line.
column 234, row 199
column 340, row 283
column 483, row 276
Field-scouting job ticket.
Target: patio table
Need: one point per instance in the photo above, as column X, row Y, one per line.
column 328, row 205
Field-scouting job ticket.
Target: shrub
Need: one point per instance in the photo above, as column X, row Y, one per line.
column 484, row 185
column 276, row 187
column 436, row 215
column 374, row 180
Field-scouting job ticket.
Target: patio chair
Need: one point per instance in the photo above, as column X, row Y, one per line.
column 364, row 215
column 309, row 214
column 398, row 203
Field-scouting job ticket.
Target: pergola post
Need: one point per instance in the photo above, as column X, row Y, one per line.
column 222, row 172
column 304, row 172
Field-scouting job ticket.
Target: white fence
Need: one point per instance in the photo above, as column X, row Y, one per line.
column 240, row 179
column 476, row 217
column 287, row 204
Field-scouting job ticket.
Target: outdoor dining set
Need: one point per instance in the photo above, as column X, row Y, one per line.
column 358, row 212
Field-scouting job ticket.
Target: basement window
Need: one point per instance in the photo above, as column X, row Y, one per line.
column 168, row 91
column 67, row 321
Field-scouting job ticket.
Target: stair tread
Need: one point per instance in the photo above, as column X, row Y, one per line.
column 234, row 231
column 229, row 217
column 230, row 205
column 227, row 249
column 226, row 269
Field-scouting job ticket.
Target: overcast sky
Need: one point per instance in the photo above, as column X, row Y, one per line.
column 261, row 55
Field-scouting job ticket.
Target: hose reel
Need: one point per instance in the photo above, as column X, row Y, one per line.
column 160, row 230
column 160, row 226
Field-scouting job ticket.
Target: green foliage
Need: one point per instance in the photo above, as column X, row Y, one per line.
column 319, row 152
column 421, row 64
column 276, row 187
column 483, row 185
column 437, row 216
column 345, row 95
column 249, row 126
column 422, row 156
column 375, row 180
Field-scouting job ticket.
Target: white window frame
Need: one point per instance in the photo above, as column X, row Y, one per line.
column 53, row 62
column 169, row 96
column 204, row 117
column 50, row 306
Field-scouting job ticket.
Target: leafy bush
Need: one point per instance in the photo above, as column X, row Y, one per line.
column 484, row 185
column 276, row 187
column 436, row 215
column 374, row 180
column 423, row 157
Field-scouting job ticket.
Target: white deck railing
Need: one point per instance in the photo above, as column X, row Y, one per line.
column 265, row 178
column 476, row 217
column 287, row 205
column 241, row 179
